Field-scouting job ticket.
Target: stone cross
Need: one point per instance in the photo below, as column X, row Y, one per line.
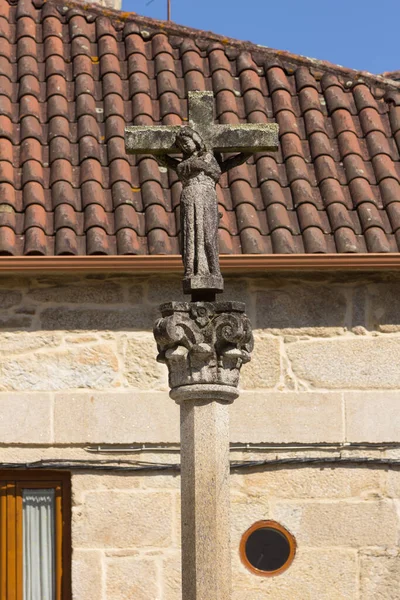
column 161, row 139
column 201, row 143
column 203, row 343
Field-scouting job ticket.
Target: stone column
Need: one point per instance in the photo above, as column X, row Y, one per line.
column 204, row 345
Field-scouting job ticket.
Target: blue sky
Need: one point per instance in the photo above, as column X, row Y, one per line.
column 353, row 33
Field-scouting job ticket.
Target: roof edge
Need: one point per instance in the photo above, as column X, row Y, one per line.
column 235, row 263
column 121, row 17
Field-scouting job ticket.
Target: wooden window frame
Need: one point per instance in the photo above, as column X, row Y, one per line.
column 267, row 525
column 12, row 484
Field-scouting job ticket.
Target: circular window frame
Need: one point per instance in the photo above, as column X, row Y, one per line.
column 267, row 525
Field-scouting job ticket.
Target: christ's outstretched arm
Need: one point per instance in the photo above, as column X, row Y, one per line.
column 233, row 161
column 167, row 161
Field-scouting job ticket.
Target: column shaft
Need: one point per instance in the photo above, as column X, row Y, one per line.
column 206, row 560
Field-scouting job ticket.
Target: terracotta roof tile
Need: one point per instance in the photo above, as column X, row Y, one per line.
column 62, row 192
column 71, row 80
column 98, row 242
column 253, row 242
column 66, row 216
column 66, row 242
column 159, row 242
column 393, row 212
column 128, row 242
column 33, row 193
column 314, row 241
column 282, row 241
column 36, row 242
column 390, row 191
column 58, row 127
column 371, row 120
column 376, row 240
column 9, row 242
column 228, row 244
column 32, row 170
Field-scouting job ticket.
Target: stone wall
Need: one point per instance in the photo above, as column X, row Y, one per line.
column 77, row 367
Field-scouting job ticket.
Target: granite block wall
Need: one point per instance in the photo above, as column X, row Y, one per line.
column 77, row 369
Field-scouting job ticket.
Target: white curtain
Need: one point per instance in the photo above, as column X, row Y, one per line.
column 39, row 549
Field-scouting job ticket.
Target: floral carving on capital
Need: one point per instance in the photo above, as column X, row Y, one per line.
column 203, row 342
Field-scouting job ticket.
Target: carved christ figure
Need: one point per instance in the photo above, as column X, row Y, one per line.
column 199, row 171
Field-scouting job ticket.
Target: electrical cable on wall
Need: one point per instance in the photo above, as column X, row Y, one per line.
column 135, row 466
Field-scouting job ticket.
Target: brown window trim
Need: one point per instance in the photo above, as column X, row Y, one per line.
column 271, row 525
column 11, row 569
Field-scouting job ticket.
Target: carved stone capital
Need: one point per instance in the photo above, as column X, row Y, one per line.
column 204, row 345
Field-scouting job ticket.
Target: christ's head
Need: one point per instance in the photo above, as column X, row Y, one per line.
column 189, row 141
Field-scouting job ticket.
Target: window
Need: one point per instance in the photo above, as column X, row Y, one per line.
column 35, row 537
column 267, row 548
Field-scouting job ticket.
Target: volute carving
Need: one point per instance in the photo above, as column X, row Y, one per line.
column 203, row 342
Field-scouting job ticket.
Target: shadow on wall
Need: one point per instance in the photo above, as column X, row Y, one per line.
column 312, row 305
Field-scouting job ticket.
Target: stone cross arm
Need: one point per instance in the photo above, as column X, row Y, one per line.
column 160, row 139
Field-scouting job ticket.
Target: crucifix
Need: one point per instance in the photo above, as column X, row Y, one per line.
column 201, row 144
column 203, row 342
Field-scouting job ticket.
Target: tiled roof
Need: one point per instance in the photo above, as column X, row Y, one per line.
column 71, row 79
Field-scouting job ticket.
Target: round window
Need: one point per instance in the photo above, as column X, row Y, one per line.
column 267, row 548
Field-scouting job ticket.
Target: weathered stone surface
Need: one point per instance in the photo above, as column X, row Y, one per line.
column 384, row 303
column 26, row 309
column 104, row 292
column 115, row 417
column 339, row 523
column 380, row 575
column 223, row 138
column 319, row 574
column 313, row 309
column 87, row 574
column 263, row 371
column 136, row 291
column 239, row 290
column 123, row 319
column 121, row 519
column 79, row 367
column 9, row 298
column 25, row 418
column 21, row 342
column 84, row 482
column 132, row 578
column 161, row 289
column 199, row 214
column 372, row 416
column 82, row 338
column 246, row 509
column 203, row 343
column 51, row 280
column 281, row 417
column 171, row 576
column 14, row 322
column 163, row 480
column 140, row 367
column 321, row 506
column 347, row 363
column 31, row 453
column 393, row 483
column 199, row 171
column 359, row 308
column 120, row 417
column 206, row 568
column 308, row 482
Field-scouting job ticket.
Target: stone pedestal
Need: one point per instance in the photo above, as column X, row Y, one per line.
column 204, row 345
